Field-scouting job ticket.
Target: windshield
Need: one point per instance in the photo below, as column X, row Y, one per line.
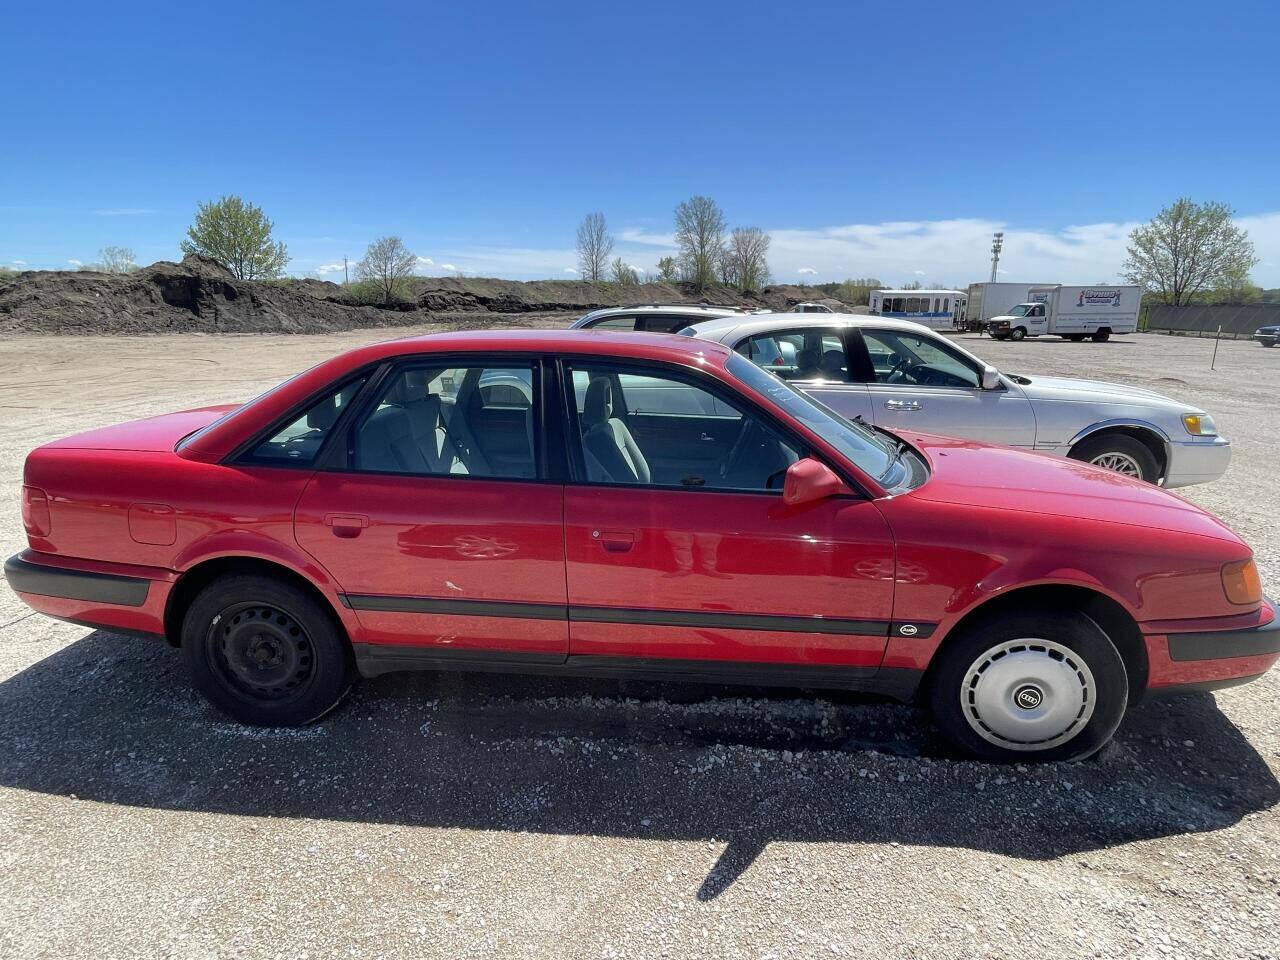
column 873, row 453
column 1021, row 310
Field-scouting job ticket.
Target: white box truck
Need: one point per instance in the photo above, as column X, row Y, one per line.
column 987, row 300
column 1072, row 313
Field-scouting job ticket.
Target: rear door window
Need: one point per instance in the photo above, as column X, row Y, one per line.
column 297, row 443
column 814, row 353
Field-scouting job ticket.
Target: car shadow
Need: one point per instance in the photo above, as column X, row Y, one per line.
column 113, row 719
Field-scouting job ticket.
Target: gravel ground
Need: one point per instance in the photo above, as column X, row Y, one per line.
column 473, row 815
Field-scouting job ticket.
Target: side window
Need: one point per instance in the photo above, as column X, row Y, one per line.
column 663, row 323
column 297, row 444
column 809, row 354
column 614, row 323
column 463, row 421
column 911, row 360
column 946, row 304
column 640, row 427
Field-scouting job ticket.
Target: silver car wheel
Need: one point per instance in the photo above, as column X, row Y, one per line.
column 1118, row 463
column 1028, row 694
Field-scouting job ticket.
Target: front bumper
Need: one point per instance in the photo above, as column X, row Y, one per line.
column 1197, row 460
column 119, row 597
column 1267, row 339
column 1212, row 653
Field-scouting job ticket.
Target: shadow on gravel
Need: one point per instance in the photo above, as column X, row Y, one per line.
column 113, row 720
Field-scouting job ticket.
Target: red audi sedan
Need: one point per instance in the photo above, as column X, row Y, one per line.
column 639, row 506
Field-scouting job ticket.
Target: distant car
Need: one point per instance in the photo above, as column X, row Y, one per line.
column 656, row 317
column 515, row 500
column 901, row 375
column 1267, row 336
column 808, row 307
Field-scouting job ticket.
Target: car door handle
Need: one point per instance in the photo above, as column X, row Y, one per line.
column 345, row 525
column 903, row 405
column 706, row 437
column 615, row 541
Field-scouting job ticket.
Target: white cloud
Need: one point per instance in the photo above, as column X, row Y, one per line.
column 124, row 212
column 18, row 263
column 76, row 263
column 448, row 266
column 808, row 271
column 919, row 273
column 425, row 261
column 325, row 268
column 570, row 270
column 647, row 238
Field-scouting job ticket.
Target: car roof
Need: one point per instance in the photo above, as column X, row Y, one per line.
column 257, row 415
column 679, row 309
column 757, row 323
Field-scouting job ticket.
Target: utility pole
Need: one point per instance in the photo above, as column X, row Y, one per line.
column 997, row 241
column 345, row 279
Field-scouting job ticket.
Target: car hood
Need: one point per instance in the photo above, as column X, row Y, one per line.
column 982, row 475
column 1093, row 391
column 151, row 433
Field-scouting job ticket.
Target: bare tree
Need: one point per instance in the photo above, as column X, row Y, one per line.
column 700, row 236
column 748, row 254
column 624, row 273
column 594, row 247
column 1188, row 248
column 387, row 264
column 668, row 270
column 116, row 260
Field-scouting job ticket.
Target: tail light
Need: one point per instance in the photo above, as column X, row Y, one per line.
column 1241, row 582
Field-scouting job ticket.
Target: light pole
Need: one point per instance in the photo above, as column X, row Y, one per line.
column 997, row 241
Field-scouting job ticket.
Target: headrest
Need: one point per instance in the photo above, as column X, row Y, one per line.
column 598, row 406
column 832, row 361
column 409, row 386
column 322, row 415
column 806, row 359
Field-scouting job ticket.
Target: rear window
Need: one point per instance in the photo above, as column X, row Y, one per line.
column 297, row 443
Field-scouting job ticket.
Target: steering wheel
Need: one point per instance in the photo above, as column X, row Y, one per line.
column 900, row 370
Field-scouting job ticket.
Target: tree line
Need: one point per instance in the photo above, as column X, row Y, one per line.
column 706, row 255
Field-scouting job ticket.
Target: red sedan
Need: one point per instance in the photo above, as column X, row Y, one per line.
column 632, row 505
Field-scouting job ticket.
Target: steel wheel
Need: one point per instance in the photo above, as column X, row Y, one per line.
column 1118, row 462
column 1028, row 695
column 261, row 650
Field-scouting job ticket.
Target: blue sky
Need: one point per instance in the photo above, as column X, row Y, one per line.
column 876, row 139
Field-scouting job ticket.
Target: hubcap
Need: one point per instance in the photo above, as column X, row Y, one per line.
column 1119, row 463
column 261, row 650
column 1028, row 694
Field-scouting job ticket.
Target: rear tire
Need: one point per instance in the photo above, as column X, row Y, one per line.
column 1101, row 336
column 1026, row 687
column 1076, row 337
column 1018, row 333
column 1120, row 454
column 264, row 652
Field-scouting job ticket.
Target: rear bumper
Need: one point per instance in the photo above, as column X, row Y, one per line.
column 90, row 592
column 1212, row 654
column 1197, row 460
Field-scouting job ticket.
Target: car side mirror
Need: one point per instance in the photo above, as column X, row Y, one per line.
column 990, row 378
column 810, row 480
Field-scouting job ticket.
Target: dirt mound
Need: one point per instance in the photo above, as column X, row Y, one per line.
column 199, row 295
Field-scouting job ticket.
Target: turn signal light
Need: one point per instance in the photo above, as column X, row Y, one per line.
column 1241, row 582
column 35, row 512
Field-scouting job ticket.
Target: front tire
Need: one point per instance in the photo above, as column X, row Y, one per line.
column 1029, row 687
column 264, row 652
column 1101, row 336
column 1018, row 333
column 1119, row 454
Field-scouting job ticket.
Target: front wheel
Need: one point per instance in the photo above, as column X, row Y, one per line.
column 1120, row 454
column 1018, row 333
column 1101, row 336
column 264, row 652
column 1029, row 686
column 1076, row 337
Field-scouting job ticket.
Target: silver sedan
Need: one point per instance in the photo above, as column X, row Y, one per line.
column 903, row 376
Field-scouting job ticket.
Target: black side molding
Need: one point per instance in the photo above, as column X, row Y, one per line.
column 1226, row 644
column 45, row 581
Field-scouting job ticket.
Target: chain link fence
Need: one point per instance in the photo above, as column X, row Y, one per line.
column 1200, row 320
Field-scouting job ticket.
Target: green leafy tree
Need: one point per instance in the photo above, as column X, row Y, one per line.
column 623, row 272
column 238, row 236
column 1188, row 249
column 668, row 270
column 857, row 291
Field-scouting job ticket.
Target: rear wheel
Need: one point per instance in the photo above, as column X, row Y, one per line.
column 1120, row 454
column 1101, row 336
column 1076, row 337
column 1018, row 333
column 1029, row 686
column 264, row 652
